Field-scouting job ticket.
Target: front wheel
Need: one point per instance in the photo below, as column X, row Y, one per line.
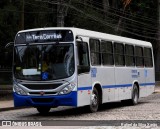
column 43, row 110
column 94, row 101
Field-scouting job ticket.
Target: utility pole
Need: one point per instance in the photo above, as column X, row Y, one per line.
column 62, row 9
column 157, row 48
column 60, row 14
column 22, row 16
column 105, row 7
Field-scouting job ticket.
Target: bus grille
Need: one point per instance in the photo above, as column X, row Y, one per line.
column 45, row 93
column 42, row 86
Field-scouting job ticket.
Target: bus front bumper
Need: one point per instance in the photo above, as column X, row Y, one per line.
column 49, row 101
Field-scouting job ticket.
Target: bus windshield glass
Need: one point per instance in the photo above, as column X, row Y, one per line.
column 42, row 62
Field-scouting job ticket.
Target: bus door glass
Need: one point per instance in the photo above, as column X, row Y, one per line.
column 84, row 77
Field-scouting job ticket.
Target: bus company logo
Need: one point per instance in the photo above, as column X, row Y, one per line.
column 6, row 123
column 42, row 93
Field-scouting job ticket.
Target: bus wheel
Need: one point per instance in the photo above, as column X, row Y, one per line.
column 94, row 101
column 135, row 95
column 134, row 99
column 43, row 110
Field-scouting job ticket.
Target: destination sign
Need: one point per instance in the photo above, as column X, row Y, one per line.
column 44, row 36
column 53, row 36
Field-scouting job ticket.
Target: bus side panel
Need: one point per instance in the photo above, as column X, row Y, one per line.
column 123, row 78
column 141, row 81
column 108, row 83
column 104, row 76
column 150, row 81
column 84, row 89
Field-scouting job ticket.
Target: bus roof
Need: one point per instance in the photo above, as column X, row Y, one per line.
column 94, row 34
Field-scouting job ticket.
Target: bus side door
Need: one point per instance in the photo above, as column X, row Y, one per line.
column 83, row 72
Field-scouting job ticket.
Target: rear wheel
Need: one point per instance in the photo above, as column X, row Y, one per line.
column 134, row 98
column 43, row 110
column 94, row 100
column 135, row 95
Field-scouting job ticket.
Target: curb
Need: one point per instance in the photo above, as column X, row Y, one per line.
column 157, row 82
column 156, row 92
column 12, row 108
column 6, row 109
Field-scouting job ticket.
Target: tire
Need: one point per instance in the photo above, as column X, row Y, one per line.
column 43, row 110
column 134, row 97
column 94, row 100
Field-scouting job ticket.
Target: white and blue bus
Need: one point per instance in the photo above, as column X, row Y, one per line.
column 76, row 67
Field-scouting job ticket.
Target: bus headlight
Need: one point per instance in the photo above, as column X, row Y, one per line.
column 67, row 89
column 19, row 90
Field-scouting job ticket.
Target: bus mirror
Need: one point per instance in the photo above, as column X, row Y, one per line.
column 9, row 44
column 83, row 69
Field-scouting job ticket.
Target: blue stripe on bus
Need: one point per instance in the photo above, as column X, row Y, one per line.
column 146, row 84
column 115, row 86
column 85, row 88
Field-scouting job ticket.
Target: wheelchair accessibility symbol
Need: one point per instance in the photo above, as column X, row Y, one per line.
column 44, row 75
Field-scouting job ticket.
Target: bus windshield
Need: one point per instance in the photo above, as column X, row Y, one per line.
column 44, row 62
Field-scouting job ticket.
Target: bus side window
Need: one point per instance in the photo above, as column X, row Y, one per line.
column 139, row 56
column 107, row 53
column 129, row 55
column 95, row 52
column 148, row 57
column 119, row 54
column 83, row 57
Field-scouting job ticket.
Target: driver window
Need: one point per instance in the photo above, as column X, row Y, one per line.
column 83, row 54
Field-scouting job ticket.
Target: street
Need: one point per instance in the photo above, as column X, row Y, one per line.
column 147, row 109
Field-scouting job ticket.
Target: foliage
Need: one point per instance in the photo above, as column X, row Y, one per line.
column 131, row 18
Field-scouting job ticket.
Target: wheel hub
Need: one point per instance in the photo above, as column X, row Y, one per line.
column 94, row 100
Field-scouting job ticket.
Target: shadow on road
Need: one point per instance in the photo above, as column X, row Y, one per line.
column 69, row 112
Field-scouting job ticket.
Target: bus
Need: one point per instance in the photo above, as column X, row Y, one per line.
column 76, row 67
